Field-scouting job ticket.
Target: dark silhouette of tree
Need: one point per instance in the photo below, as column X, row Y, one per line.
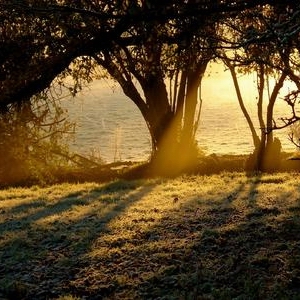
column 165, row 48
column 268, row 51
column 162, row 79
column 156, row 50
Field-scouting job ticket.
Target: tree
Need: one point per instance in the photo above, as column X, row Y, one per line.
column 156, row 49
column 40, row 40
column 169, row 75
column 162, row 46
column 263, row 53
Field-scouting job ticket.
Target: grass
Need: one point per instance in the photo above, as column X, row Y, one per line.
column 225, row 236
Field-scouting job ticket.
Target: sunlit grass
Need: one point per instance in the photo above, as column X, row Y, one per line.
column 183, row 237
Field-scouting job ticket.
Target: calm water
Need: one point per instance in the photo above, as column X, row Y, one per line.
column 110, row 125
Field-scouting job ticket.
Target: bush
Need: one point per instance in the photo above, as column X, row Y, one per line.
column 33, row 141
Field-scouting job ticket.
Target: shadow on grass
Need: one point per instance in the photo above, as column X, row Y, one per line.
column 229, row 253
column 239, row 245
column 37, row 259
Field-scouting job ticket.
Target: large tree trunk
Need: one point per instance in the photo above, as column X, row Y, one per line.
column 174, row 135
column 193, row 82
column 170, row 118
column 159, row 117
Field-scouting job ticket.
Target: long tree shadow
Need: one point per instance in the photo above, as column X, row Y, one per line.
column 42, row 243
column 250, row 254
column 163, row 259
column 193, row 246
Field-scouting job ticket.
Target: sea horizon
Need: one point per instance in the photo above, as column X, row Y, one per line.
column 108, row 123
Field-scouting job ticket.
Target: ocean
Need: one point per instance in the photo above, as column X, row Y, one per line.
column 109, row 125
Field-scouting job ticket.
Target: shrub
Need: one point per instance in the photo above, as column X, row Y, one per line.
column 33, row 141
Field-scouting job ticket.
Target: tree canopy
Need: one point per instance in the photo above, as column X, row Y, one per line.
column 157, row 51
column 268, row 47
column 40, row 39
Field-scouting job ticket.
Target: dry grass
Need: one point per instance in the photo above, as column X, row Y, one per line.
column 225, row 236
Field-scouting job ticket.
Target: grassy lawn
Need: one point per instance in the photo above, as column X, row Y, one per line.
column 225, row 236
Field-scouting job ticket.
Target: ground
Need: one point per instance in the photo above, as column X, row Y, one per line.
column 226, row 236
